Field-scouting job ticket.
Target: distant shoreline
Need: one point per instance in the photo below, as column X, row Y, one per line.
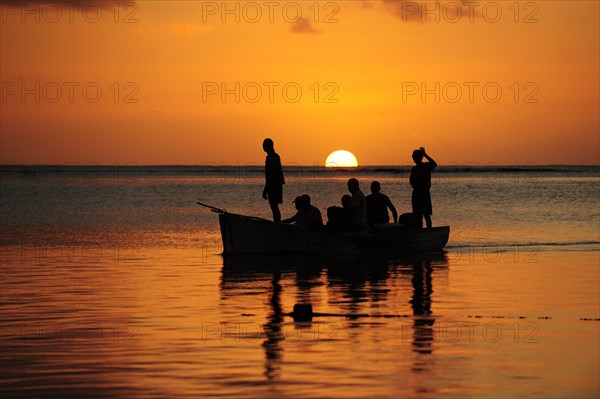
column 290, row 165
column 72, row 171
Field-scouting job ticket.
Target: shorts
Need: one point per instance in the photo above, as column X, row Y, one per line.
column 421, row 202
column 275, row 194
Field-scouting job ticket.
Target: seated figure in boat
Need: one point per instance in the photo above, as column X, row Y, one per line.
column 307, row 215
column 357, row 208
column 339, row 216
column 377, row 206
column 410, row 220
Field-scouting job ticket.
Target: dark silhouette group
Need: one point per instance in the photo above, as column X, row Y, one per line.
column 357, row 211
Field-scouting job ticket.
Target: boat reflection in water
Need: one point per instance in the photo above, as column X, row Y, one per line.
column 423, row 321
column 355, row 292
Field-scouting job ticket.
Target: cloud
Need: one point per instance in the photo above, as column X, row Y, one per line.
column 303, row 25
column 368, row 3
column 428, row 11
column 407, row 10
column 69, row 3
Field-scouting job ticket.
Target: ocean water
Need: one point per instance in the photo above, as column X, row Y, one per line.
column 112, row 285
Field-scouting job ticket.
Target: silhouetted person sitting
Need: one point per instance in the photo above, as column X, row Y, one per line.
column 420, row 180
column 410, row 220
column 274, row 180
column 357, row 208
column 346, row 201
column 377, row 206
column 339, row 216
column 307, row 214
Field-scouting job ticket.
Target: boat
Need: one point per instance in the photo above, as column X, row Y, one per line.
column 252, row 235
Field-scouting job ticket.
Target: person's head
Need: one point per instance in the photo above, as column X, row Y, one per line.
column 417, row 156
column 305, row 200
column 298, row 202
column 268, row 146
column 346, row 200
column 353, row 185
column 375, row 187
column 302, row 201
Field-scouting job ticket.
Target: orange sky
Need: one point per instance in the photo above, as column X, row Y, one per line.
column 165, row 55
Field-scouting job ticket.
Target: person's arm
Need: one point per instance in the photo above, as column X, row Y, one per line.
column 393, row 209
column 290, row 220
column 280, row 175
column 264, row 194
column 267, row 166
column 433, row 163
column 353, row 203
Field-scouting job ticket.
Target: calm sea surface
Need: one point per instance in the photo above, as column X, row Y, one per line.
column 112, row 285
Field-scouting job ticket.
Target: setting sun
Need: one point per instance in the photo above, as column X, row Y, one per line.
column 341, row 159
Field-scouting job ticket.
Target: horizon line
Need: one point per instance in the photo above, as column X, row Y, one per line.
column 216, row 164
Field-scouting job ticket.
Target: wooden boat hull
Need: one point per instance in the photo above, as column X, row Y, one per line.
column 243, row 234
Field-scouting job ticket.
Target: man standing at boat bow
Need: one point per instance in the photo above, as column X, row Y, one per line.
column 274, row 179
column 420, row 180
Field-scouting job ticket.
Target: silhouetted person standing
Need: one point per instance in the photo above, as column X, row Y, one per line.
column 378, row 204
column 274, row 180
column 357, row 208
column 420, row 180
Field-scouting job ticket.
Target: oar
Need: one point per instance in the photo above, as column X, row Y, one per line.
column 219, row 210
column 212, row 208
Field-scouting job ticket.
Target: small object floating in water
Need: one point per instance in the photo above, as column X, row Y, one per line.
column 302, row 312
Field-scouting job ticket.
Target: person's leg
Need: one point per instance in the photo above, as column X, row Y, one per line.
column 417, row 206
column 419, row 218
column 276, row 198
column 427, row 221
column 276, row 212
column 427, row 211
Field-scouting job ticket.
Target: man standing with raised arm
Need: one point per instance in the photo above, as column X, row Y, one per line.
column 420, row 180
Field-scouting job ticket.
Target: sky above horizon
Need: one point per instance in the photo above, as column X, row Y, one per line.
column 192, row 82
